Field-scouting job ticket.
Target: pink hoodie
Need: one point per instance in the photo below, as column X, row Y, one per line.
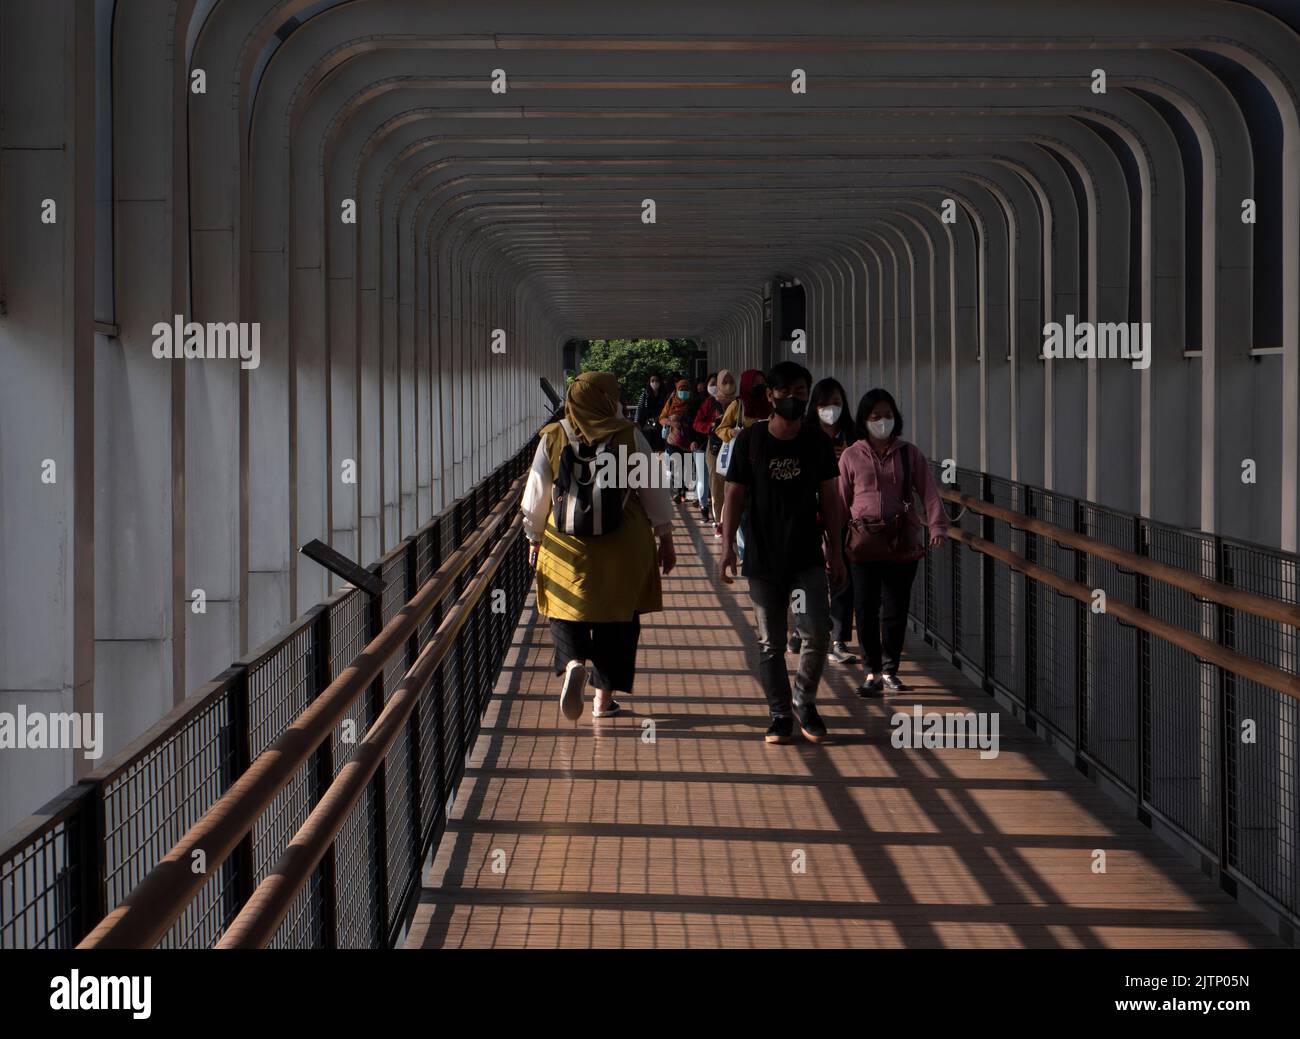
column 870, row 486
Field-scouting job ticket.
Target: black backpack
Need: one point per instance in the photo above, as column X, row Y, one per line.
column 579, row 505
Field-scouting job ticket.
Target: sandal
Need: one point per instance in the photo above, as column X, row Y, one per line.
column 575, row 681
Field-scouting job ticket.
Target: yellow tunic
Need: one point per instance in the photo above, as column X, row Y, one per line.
column 602, row 577
column 732, row 422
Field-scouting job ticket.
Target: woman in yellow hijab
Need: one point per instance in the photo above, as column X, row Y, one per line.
column 594, row 587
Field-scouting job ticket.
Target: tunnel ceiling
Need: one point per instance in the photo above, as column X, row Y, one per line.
column 543, row 177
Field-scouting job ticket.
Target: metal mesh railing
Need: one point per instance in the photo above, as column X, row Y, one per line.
column 86, row 850
column 1212, row 754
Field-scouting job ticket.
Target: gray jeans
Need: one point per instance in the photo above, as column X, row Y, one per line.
column 772, row 598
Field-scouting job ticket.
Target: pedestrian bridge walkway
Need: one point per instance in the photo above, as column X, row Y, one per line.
column 675, row 825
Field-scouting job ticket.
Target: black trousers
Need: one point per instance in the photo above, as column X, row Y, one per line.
column 609, row 645
column 678, row 472
column 881, row 594
column 842, row 607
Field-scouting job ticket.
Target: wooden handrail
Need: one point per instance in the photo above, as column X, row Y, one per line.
column 267, row 907
column 1228, row 659
column 1201, row 587
column 158, row 900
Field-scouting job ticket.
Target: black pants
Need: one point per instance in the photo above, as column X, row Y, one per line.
column 678, row 470
column 609, row 645
column 881, row 595
column 842, row 607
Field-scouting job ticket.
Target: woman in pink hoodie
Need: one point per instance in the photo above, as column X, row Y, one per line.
column 872, row 474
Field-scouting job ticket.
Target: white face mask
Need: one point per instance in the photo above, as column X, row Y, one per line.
column 713, row 390
column 829, row 414
column 881, row 428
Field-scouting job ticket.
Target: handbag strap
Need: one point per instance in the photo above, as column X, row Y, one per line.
column 907, row 489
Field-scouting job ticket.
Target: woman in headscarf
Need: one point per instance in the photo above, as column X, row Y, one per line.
column 595, row 587
column 722, row 392
column 702, row 407
column 675, row 420
column 750, row 406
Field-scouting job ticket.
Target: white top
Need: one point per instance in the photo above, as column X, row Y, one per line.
column 536, row 503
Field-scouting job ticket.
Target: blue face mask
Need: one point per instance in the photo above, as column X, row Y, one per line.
column 683, row 394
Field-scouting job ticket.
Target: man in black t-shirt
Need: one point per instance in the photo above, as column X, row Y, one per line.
column 785, row 471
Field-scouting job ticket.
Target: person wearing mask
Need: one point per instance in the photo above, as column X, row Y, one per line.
column 594, row 587
column 653, row 396
column 829, row 403
column 784, row 469
column 707, row 420
column 751, row 405
column 880, row 475
column 702, row 406
column 678, row 435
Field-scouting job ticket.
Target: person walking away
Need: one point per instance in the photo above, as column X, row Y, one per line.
column 829, row 403
column 675, row 419
column 785, row 470
column 702, row 407
column 751, row 405
column 594, row 546
column 710, row 415
column 880, row 475
column 653, row 395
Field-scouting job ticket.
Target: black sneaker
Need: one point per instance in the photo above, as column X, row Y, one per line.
column 840, row 654
column 780, row 731
column 893, row 684
column 795, row 644
column 872, row 686
column 811, row 723
column 706, row 513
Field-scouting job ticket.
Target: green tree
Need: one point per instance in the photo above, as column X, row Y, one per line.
column 634, row 360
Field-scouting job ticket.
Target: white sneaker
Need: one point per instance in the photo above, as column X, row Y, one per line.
column 575, row 681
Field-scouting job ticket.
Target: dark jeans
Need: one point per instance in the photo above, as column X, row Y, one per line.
column 609, row 645
column 842, row 607
column 678, row 470
column 771, row 598
column 882, row 593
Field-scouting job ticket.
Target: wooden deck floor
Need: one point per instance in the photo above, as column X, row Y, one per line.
column 579, row 835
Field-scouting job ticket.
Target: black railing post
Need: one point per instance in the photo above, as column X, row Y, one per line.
column 1142, row 595
column 242, row 858
column 415, row 807
column 1031, row 588
column 988, row 574
column 1082, row 651
column 92, row 894
column 1225, row 630
column 437, row 703
column 379, row 782
column 324, row 766
column 954, row 592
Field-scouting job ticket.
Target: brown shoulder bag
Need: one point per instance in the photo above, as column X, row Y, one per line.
column 883, row 540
